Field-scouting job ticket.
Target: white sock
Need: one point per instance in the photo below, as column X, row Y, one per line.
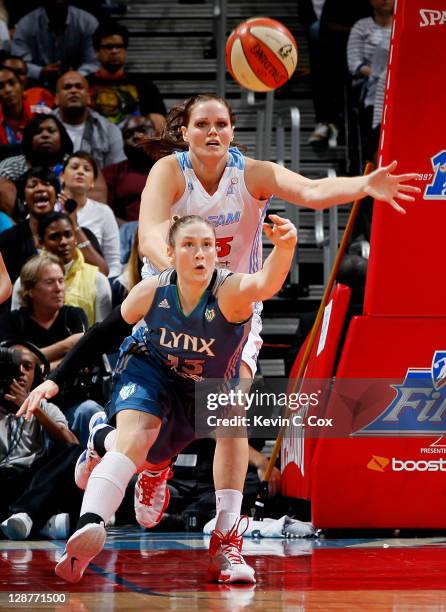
column 229, row 505
column 107, row 484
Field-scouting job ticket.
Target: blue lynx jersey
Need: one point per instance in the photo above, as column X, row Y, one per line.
column 201, row 345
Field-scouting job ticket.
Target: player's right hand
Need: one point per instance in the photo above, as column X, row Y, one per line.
column 44, row 391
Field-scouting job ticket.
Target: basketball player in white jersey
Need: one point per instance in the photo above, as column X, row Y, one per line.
column 214, row 180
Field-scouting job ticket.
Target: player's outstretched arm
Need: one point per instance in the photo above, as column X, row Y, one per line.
column 103, row 337
column 240, row 291
column 267, row 178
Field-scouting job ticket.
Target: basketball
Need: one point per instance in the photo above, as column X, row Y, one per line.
column 261, row 54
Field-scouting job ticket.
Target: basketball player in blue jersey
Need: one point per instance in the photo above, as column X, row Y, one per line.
column 196, row 318
column 198, row 172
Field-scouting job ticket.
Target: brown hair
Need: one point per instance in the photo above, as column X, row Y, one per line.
column 172, row 138
column 30, row 274
column 180, row 222
column 87, row 157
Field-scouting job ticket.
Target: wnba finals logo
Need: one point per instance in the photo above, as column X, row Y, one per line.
column 419, row 406
column 436, row 190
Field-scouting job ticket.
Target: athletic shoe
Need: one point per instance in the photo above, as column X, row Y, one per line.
column 82, row 547
column 57, row 527
column 152, row 496
column 320, row 134
column 332, row 136
column 97, row 421
column 85, row 464
column 89, row 459
column 17, row 526
column 227, row 564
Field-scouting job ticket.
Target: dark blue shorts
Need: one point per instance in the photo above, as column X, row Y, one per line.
column 140, row 383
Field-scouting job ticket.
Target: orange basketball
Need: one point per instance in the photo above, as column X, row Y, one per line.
column 261, row 54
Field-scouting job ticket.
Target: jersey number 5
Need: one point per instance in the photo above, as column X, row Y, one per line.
column 223, row 246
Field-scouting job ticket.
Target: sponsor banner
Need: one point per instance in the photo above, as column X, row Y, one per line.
column 395, row 464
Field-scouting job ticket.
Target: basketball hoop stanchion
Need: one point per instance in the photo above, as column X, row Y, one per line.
column 262, row 493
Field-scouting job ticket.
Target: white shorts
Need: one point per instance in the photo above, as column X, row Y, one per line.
column 253, row 343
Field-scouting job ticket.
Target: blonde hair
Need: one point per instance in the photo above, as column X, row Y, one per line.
column 31, row 272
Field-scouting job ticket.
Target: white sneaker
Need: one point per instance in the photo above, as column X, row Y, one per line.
column 225, row 549
column 152, row 496
column 85, row 464
column 320, row 134
column 82, row 547
column 57, row 527
column 17, row 526
column 333, row 136
column 89, row 459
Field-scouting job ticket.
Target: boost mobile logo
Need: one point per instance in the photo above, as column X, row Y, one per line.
column 379, row 464
column 419, row 406
column 432, row 17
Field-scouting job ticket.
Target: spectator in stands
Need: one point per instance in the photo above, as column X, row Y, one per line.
column 45, row 143
column 88, row 130
column 14, row 111
column 47, row 322
column 5, row 282
column 43, row 319
column 54, row 38
column 33, row 94
column 23, row 444
column 85, row 286
column 79, row 174
column 126, row 180
column 39, row 188
column 367, row 54
column 329, row 80
column 115, row 93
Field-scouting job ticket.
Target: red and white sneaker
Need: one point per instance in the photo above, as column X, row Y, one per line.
column 152, row 496
column 227, row 564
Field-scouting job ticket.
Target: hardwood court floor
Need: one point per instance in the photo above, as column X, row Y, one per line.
column 139, row 571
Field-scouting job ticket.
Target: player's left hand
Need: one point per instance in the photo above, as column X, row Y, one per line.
column 283, row 233
column 385, row 186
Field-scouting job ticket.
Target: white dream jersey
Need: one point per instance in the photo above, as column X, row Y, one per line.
column 235, row 214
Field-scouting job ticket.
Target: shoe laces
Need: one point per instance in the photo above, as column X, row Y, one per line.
column 231, row 542
column 148, row 484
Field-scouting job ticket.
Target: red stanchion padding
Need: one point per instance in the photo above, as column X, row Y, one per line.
column 297, row 450
column 403, row 279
